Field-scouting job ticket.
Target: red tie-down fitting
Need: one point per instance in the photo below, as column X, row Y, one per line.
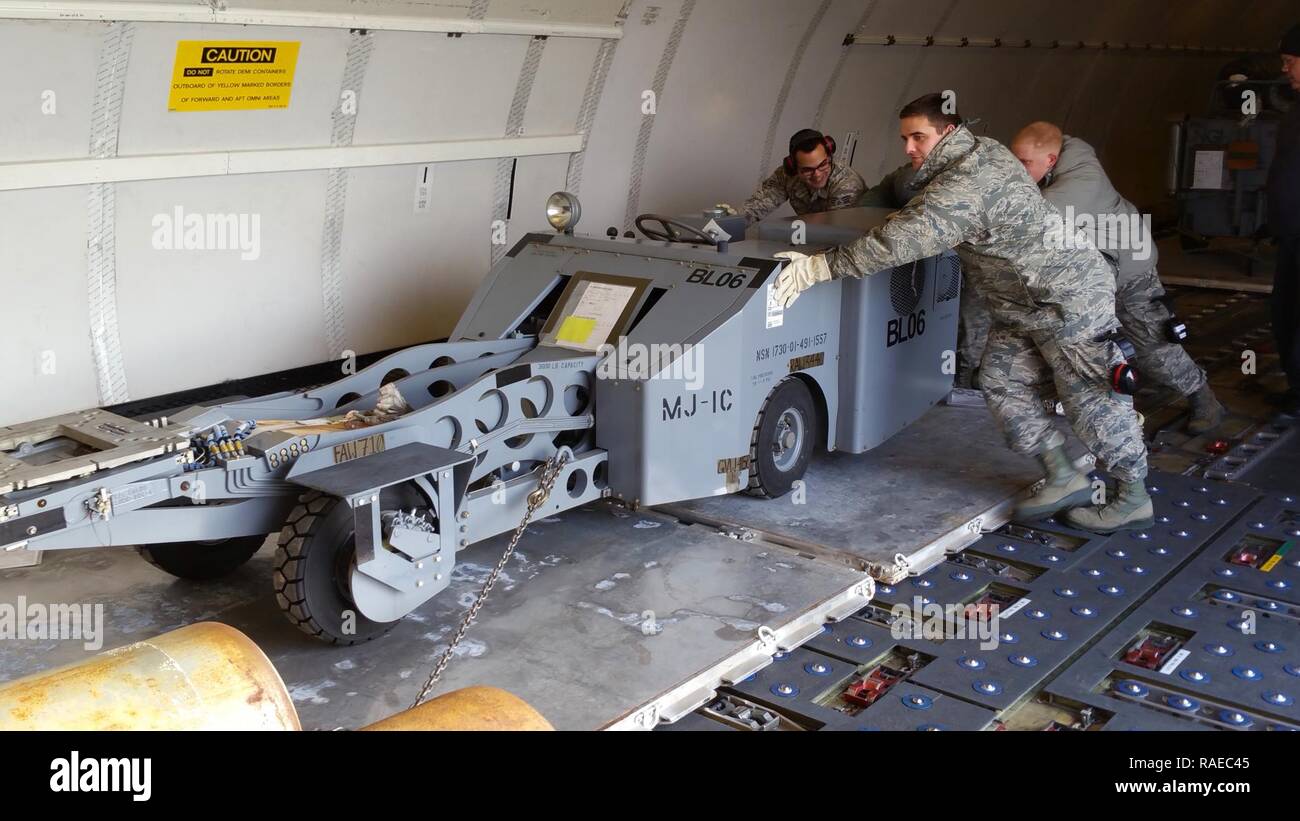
column 865, row 691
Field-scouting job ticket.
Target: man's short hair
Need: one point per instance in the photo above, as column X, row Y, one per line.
column 806, row 141
column 931, row 107
column 1041, row 136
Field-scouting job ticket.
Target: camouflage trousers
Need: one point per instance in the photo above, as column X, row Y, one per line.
column 1019, row 372
column 1144, row 319
column 973, row 323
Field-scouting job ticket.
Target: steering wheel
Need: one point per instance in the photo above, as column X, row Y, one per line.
column 671, row 227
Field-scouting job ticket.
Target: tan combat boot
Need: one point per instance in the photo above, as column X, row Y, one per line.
column 1131, row 510
column 1207, row 413
column 1066, row 487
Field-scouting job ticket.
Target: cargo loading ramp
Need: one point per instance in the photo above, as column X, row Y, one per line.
column 896, row 511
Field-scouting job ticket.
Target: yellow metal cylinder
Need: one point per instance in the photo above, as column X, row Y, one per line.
column 473, row 708
column 202, row 677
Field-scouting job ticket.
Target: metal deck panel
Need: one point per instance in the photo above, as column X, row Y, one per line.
column 926, row 491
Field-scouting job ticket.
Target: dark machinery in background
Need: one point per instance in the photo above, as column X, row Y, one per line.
column 1219, row 162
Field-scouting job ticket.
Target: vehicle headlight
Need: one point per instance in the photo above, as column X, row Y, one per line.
column 563, row 211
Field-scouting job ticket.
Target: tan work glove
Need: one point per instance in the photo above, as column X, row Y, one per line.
column 727, row 209
column 802, row 273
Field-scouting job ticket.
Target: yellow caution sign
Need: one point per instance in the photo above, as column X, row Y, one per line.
column 232, row 75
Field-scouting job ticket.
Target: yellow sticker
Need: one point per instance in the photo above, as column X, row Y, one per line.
column 232, row 75
column 1271, row 563
column 576, row 329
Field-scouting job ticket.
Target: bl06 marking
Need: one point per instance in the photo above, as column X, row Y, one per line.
column 726, row 279
column 904, row 329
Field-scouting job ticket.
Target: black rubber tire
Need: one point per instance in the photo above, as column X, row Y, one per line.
column 202, row 561
column 316, row 550
column 766, row 478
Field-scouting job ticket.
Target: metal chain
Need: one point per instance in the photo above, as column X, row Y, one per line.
column 550, row 471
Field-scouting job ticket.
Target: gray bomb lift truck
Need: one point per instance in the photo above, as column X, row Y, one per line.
column 649, row 370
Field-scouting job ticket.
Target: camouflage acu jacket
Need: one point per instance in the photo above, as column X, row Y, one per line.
column 843, row 190
column 976, row 198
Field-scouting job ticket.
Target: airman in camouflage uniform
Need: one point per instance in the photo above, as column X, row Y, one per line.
column 973, row 320
column 817, row 182
column 1071, row 178
column 1051, row 308
column 973, row 325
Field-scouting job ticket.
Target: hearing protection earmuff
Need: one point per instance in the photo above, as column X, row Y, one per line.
column 1123, row 379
